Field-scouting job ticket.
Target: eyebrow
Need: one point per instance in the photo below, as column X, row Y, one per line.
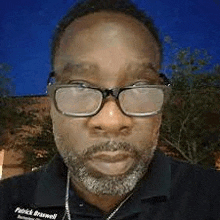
column 79, row 66
column 142, row 70
column 142, row 66
column 76, row 68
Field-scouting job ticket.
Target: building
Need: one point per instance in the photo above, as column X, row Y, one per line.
column 29, row 108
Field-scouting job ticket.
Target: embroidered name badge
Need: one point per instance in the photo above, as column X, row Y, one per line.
column 30, row 214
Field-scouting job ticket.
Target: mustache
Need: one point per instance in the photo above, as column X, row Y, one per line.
column 110, row 146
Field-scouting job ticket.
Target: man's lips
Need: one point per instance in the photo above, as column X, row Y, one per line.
column 111, row 163
column 111, row 157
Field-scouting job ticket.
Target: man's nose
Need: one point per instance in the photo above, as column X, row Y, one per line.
column 110, row 120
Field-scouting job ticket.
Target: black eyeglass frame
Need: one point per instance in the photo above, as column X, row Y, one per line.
column 114, row 92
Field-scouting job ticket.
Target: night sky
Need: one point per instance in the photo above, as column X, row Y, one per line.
column 26, row 28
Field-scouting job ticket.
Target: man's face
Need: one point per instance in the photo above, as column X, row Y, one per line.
column 107, row 153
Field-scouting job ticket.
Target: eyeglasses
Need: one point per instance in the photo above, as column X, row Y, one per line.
column 79, row 100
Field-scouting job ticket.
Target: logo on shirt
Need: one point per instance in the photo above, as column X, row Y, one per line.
column 30, row 214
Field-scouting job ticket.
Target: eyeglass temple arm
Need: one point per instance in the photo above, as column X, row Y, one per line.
column 166, row 81
column 51, row 75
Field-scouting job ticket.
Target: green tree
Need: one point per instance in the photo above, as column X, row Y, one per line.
column 6, row 89
column 21, row 126
column 6, row 85
column 41, row 146
column 15, row 121
column 191, row 118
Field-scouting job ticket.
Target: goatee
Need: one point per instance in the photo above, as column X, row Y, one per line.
column 102, row 184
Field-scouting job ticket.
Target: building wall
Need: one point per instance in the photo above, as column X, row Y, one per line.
column 11, row 160
column 12, row 164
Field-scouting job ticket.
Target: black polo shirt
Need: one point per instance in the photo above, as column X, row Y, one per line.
column 170, row 190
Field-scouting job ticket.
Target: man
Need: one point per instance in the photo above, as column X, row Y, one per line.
column 106, row 101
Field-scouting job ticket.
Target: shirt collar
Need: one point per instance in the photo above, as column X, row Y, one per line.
column 155, row 186
column 157, row 182
column 51, row 187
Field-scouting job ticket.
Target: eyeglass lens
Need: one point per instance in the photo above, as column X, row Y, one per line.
column 141, row 100
column 87, row 101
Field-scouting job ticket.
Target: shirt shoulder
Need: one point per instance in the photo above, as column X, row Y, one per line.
column 199, row 186
column 21, row 182
column 18, row 190
column 182, row 169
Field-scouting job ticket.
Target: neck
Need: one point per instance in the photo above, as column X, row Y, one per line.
column 106, row 203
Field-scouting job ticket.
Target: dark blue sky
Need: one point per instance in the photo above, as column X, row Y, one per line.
column 26, row 28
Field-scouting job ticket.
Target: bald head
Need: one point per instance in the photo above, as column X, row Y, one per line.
column 90, row 7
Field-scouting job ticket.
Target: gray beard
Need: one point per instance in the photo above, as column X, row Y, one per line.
column 101, row 184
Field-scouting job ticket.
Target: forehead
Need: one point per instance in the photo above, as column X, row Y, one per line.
column 101, row 18
column 108, row 41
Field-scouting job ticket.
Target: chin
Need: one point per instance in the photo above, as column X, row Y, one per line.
column 101, row 184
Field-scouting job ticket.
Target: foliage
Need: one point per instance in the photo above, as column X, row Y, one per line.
column 8, row 114
column 191, row 118
column 41, row 146
column 27, row 128
column 6, row 85
column 16, row 122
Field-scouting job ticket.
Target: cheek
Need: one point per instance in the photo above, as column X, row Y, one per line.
column 148, row 130
column 68, row 132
